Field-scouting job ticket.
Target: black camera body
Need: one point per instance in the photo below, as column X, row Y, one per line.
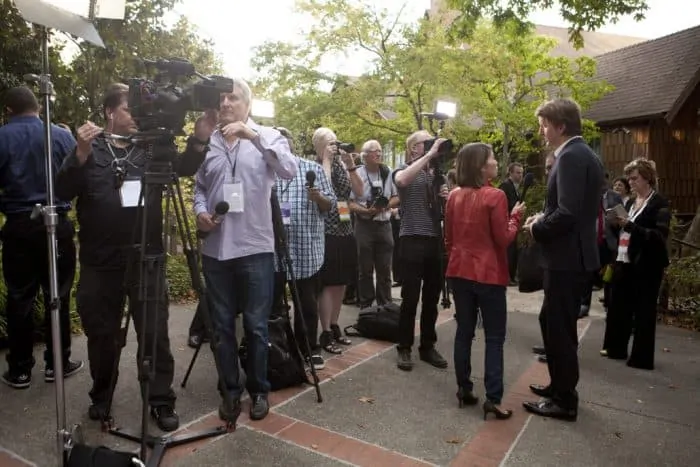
column 347, row 147
column 444, row 150
column 159, row 106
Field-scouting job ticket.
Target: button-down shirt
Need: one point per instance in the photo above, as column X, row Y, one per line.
column 558, row 150
column 256, row 164
column 306, row 228
column 23, row 163
column 368, row 179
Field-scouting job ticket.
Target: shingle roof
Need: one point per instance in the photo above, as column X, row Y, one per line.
column 650, row 79
column 594, row 43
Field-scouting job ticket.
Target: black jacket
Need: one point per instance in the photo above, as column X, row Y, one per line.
column 649, row 233
column 512, row 195
column 107, row 229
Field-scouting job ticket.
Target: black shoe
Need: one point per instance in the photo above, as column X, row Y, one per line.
column 317, row 361
column 69, row 369
column 540, row 390
column 538, row 349
column 549, row 408
column 433, row 357
column 465, row 397
column 194, row 341
column 97, row 412
column 17, row 380
column 166, row 418
column 260, row 407
column 230, row 414
column 404, row 361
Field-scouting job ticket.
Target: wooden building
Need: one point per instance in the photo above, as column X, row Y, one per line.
column 654, row 112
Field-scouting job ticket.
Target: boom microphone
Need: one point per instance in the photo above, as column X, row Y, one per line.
column 310, row 178
column 528, row 181
column 220, row 211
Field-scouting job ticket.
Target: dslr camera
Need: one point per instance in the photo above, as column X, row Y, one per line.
column 377, row 198
column 347, row 147
column 159, row 106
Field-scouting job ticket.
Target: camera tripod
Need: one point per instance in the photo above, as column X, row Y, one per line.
column 158, row 175
column 282, row 250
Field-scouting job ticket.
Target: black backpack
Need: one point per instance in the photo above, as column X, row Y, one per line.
column 378, row 322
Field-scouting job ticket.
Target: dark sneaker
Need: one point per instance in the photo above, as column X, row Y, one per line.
column 318, row 362
column 260, row 407
column 404, row 361
column 97, row 412
column 230, row 414
column 17, row 380
column 166, row 418
column 433, row 357
column 69, row 369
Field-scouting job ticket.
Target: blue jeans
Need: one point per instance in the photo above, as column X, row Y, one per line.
column 244, row 284
column 472, row 298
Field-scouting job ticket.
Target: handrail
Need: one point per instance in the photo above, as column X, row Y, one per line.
column 684, row 243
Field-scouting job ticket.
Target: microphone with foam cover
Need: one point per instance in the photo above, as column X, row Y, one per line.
column 310, row 178
column 220, row 211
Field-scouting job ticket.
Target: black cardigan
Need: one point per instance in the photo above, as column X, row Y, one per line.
column 649, row 234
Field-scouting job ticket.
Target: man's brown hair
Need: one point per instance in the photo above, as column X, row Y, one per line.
column 470, row 160
column 113, row 97
column 564, row 112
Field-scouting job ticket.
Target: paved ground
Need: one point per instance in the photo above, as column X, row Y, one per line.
column 376, row 415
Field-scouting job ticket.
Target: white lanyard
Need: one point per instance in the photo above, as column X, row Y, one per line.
column 634, row 213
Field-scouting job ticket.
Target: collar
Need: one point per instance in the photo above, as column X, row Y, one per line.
column 558, row 150
column 23, row 119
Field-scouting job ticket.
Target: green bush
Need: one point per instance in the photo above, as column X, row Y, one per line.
column 683, row 289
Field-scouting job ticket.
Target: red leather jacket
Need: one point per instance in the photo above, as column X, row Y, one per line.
column 478, row 230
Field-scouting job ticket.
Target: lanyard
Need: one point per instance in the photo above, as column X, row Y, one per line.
column 227, row 151
column 634, row 213
column 289, row 182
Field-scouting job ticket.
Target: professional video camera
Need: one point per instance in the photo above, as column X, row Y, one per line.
column 347, row 147
column 444, row 150
column 159, row 106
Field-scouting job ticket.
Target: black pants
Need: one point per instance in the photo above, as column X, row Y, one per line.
column 101, row 297
column 558, row 317
column 25, row 263
column 633, row 301
column 197, row 326
column 375, row 248
column 420, row 266
column 512, row 253
column 395, row 259
column 309, row 289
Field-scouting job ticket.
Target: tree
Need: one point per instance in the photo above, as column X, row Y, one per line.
column 580, row 14
column 409, row 66
column 21, row 52
column 516, row 73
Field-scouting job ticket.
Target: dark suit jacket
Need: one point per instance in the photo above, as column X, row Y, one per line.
column 512, row 194
column 567, row 230
column 649, row 233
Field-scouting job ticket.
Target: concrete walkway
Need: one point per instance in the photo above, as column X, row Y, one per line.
column 375, row 415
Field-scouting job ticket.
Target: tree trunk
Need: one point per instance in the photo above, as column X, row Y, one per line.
column 692, row 236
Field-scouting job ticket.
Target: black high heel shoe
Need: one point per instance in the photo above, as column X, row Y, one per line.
column 466, row 398
column 490, row 407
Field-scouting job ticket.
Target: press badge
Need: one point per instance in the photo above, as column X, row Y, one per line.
column 344, row 211
column 233, row 195
column 129, row 193
column 286, row 208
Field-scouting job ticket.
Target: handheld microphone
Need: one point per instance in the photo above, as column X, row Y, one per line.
column 220, row 211
column 528, row 181
column 310, row 178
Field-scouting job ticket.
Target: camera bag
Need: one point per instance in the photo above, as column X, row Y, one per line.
column 378, row 322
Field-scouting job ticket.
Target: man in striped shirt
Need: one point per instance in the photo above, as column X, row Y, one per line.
column 419, row 250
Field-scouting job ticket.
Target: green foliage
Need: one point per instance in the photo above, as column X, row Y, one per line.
column 581, row 15
column 683, row 287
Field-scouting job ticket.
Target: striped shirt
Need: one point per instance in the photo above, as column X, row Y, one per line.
column 305, row 231
column 340, row 181
column 416, row 217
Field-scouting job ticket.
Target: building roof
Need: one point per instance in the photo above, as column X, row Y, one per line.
column 594, row 43
column 651, row 79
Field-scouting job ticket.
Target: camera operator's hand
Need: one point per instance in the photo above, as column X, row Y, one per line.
column 444, row 191
column 347, row 159
column 435, row 148
column 204, row 222
column 206, row 125
column 85, row 135
column 239, row 130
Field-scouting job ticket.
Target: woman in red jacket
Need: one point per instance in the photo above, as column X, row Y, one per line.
column 478, row 231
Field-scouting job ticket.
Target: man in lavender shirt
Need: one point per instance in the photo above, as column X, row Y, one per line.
column 241, row 167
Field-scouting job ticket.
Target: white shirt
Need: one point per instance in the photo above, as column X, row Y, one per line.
column 623, row 243
column 558, row 150
column 368, row 179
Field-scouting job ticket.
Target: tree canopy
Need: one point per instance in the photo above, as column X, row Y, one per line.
column 581, row 15
column 496, row 81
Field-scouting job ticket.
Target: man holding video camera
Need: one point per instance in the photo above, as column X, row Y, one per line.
column 375, row 240
column 420, row 247
column 104, row 174
column 241, row 169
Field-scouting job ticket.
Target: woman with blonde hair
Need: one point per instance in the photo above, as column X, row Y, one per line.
column 340, row 257
column 478, row 230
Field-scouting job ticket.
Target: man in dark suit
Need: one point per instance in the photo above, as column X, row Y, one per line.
column 511, row 187
column 567, row 232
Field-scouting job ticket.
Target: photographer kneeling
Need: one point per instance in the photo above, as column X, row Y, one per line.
column 105, row 176
column 420, row 248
